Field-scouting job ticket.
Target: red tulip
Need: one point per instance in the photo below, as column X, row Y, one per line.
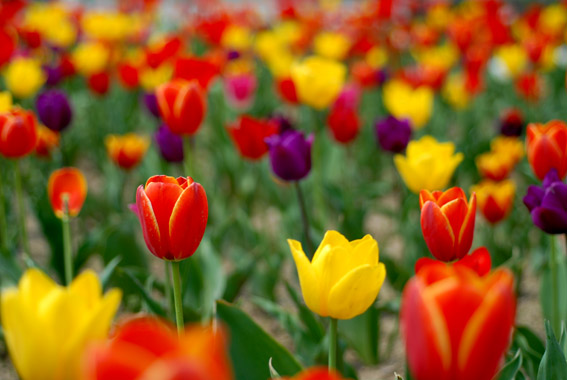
column 128, row 75
column 249, row 135
column 456, row 324
column 286, row 89
column 18, row 133
column 202, row 70
column 447, row 222
column 182, row 105
column 99, row 83
column 478, row 260
column 343, row 123
column 173, row 214
column 70, row 182
column 547, row 148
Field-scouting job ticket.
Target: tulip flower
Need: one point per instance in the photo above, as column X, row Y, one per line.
column 447, row 222
column 5, row 101
column 495, row 166
column 286, row 90
column 318, row 81
column 343, row 279
column 290, row 154
column 456, row 324
column 546, row 145
column 145, row 348
column 240, row 90
column 343, row 119
column 495, row 199
column 393, row 134
column 90, row 58
column 170, row 145
column 182, row 105
column 201, row 69
column 54, row 110
column 509, row 146
column 47, row 140
column 548, row 204
column 18, row 133
column 249, row 136
column 456, row 93
column 127, row 150
column 99, row 83
column 70, row 182
column 404, row 102
column 331, row 45
column 512, row 123
column 150, row 101
column 24, row 77
column 47, row 327
column 428, row 164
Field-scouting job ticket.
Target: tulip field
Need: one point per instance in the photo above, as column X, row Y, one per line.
column 304, row 190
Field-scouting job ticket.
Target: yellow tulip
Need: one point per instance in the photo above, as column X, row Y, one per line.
column 318, row 81
column 331, row 45
column 377, row 57
column 24, row 77
column 111, row 26
column 90, row 58
column 514, row 58
column 402, row 101
column 428, row 164
column 237, row 37
column 455, row 91
column 53, row 21
column 511, row 147
column 343, row 279
column 5, row 101
column 151, row 78
column 47, row 326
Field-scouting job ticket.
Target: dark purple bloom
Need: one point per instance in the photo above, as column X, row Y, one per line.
column 393, row 134
column 283, row 122
column 548, row 204
column 290, row 154
column 54, row 110
column 170, row 145
column 233, row 54
column 150, row 101
column 512, row 123
column 54, row 75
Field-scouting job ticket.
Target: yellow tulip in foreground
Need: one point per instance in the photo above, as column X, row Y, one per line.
column 47, row 326
column 428, row 164
column 343, row 279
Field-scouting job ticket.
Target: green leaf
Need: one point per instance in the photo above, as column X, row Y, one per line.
column 109, row 270
column 511, row 369
column 362, row 334
column 553, row 365
column 273, row 373
column 546, row 295
column 154, row 306
column 315, row 328
column 251, row 347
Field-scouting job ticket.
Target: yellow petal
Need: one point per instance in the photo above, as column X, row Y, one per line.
column 307, row 278
column 34, row 286
column 356, row 291
column 364, row 251
column 88, row 286
column 410, row 177
column 332, row 238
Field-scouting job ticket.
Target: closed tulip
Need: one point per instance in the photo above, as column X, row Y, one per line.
column 405, row 102
column 68, row 182
column 512, row 123
column 286, row 90
column 240, row 90
column 170, row 145
column 18, row 133
column 127, row 150
column 249, row 136
column 548, row 204
column 428, row 164
column 447, row 222
column 343, row 279
column 54, row 110
column 457, row 324
column 290, row 154
column 182, row 105
column 495, row 199
column 47, row 327
column 343, row 120
column 24, row 77
column 145, row 348
column 173, row 214
column 318, row 81
column 393, row 134
column 547, row 148
column 99, row 83
column 494, row 166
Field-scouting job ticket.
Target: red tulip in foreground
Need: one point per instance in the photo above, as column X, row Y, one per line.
column 447, row 222
column 456, row 323
column 173, row 214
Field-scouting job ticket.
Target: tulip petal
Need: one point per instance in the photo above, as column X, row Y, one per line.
column 437, row 232
column 308, row 281
column 34, row 286
column 364, row 251
column 333, row 239
column 410, row 177
column 451, row 194
column 104, row 364
column 466, row 232
column 87, row 285
column 188, row 222
column 543, row 155
column 150, row 227
column 356, row 291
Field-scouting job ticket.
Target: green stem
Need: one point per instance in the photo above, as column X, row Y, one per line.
column 22, row 213
column 188, row 144
column 333, row 344
column 556, row 320
column 167, row 268
column 304, row 219
column 67, row 253
column 177, row 296
column 3, row 228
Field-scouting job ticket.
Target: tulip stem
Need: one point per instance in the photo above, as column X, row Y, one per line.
column 177, row 296
column 304, row 219
column 333, row 344
column 188, row 144
column 167, row 267
column 556, row 319
column 67, row 254
column 22, row 213
column 3, row 228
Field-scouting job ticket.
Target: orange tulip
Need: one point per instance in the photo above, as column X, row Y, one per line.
column 173, row 214
column 495, row 199
column 128, row 150
column 70, row 182
column 145, row 348
column 47, row 140
column 447, row 222
column 18, row 133
column 547, row 148
column 494, row 165
column 182, row 105
column 456, row 323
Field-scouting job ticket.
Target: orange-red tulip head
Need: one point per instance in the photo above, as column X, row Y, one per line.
column 70, row 183
column 18, row 133
column 547, row 148
column 182, row 105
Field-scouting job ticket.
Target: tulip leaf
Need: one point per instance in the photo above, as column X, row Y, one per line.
column 553, row 365
column 109, row 270
column 563, row 338
column 362, row 333
column 154, row 306
column 511, row 369
column 273, row 373
column 532, row 349
column 251, row 347
column 316, row 329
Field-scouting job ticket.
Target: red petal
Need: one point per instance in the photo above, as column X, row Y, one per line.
column 437, row 232
column 479, row 261
column 149, row 223
column 465, row 235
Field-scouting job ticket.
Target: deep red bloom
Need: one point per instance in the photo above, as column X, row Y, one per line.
column 182, row 105
column 128, row 75
column 32, row 38
column 530, row 86
column 547, row 148
column 99, row 83
column 18, row 133
column 165, row 51
column 249, row 134
column 193, row 68
column 7, row 45
column 286, row 89
column 173, row 214
column 343, row 123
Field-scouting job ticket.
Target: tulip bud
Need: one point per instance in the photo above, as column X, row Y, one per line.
column 173, row 214
column 286, row 90
column 547, row 148
column 512, row 123
column 548, row 204
column 343, row 119
column 249, row 136
column 495, row 199
column 170, row 145
column 18, row 133
column 99, row 83
column 68, row 182
column 447, row 222
column 240, row 90
column 290, row 154
column 150, row 101
column 54, row 110
column 23, row 77
column 128, row 150
column 393, row 134
column 182, row 105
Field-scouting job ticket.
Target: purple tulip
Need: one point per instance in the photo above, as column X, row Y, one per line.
column 512, row 123
column 548, row 204
column 54, row 75
column 150, row 101
column 54, row 110
column 393, row 134
column 170, row 145
column 290, row 154
column 282, row 121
